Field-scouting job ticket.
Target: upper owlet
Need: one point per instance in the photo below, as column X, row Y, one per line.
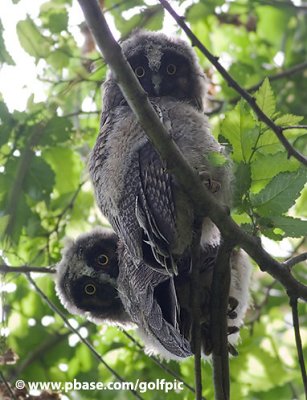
column 144, row 203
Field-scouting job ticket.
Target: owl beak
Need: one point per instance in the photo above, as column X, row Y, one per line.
column 156, row 80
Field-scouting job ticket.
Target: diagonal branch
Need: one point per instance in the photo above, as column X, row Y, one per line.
column 278, row 130
column 203, row 201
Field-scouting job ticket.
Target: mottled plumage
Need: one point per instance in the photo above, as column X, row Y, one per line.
column 144, row 204
column 125, row 295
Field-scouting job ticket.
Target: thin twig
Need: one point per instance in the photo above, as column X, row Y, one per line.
column 234, row 84
column 40, row 351
column 298, row 340
column 83, row 340
column 7, row 385
column 294, row 127
column 295, row 260
column 258, row 307
column 274, row 77
column 24, row 269
column 219, row 305
column 161, row 365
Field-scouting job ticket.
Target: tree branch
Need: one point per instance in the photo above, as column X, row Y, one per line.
column 195, row 307
column 294, row 127
column 274, row 77
column 24, row 269
column 298, row 340
column 219, row 305
column 295, row 260
column 234, row 84
column 8, row 386
column 203, row 201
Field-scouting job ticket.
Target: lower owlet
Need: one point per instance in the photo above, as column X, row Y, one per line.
column 97, row 278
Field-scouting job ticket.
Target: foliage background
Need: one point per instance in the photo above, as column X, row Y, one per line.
column 45, row 192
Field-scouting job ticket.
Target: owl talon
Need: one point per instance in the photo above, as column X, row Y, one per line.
column 212, row 185
column 232, row 304
column 232, row 350
column 232, row 329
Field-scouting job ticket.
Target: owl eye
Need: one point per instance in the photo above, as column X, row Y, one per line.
column 90, row 289
column 102, row 260
column 139, row 72
column 171, row 69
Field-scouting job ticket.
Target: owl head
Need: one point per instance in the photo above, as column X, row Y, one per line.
column 86, row 278
column 165, row 66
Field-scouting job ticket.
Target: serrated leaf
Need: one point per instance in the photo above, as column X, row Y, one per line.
column 288, row 119
column 265, row 98
column 239, row 129
column 265, row 167
column 268, row 143
column 31, row 39
column 280, row 194
column 292, row 227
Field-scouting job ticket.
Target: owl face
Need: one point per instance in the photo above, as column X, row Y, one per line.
column 165, row 67
column 169, row 78
column 87, row 274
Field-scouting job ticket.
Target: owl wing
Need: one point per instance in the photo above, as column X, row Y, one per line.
column 155, row 207
column 149, row 297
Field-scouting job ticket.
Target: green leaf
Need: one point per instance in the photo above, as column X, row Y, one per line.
column 239, row 129
column 54, row 16
column 5, row 57
column 40, row 180
column 58, row 59
column 216, row 159
column 5, row 123
column 280, row 194
column 67, row 167
column 265, row 98
column 31, row 39
column 292, row 227
column 288, row 119
column 242, row 183
column 57, row 130
column 265, row 167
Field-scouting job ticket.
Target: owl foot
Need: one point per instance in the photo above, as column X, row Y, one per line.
column 232, row 329
column 232, row 350
column 212, row 185
column 232, row 305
